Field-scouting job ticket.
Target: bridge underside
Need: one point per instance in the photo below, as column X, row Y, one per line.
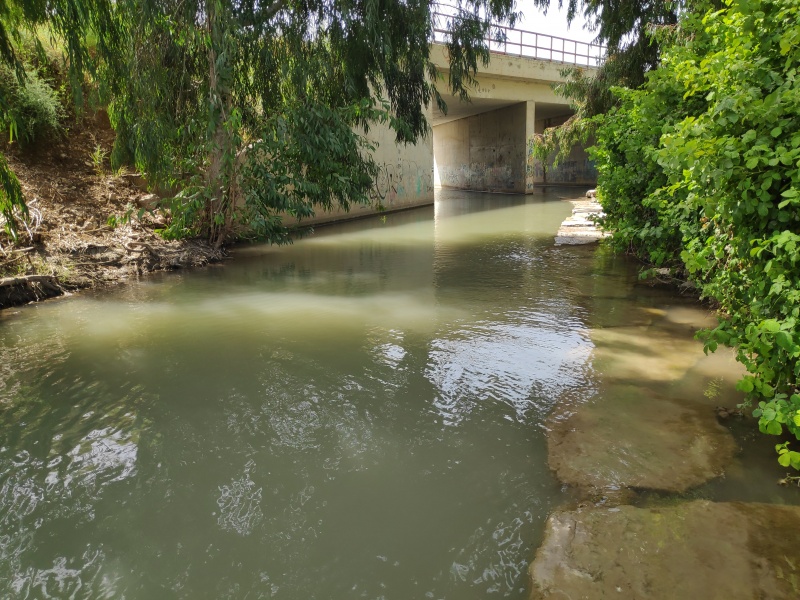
column 492, row 150
column 486, row 144
column 482, row 145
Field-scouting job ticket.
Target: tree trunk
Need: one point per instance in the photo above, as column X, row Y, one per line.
column 219, row 173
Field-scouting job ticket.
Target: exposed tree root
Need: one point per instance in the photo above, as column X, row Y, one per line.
column 28, row 288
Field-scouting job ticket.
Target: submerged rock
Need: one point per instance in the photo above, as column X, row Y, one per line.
column 691, row 550
column 649, row 423
column 638, row 442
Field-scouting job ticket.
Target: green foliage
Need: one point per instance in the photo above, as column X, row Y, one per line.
column 630, row 178
column 98, row 157
column 255, row 110
column 626, row 30
column 85, row 32
column 27, row 105
column 12, row 204
column 713, row 179
column 29, row 109
column 555, row 143
column 787, row 457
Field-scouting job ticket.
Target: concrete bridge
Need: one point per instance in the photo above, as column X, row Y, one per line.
column 483, row 145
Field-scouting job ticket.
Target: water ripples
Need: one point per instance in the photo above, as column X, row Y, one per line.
column 240, row 504
column 348, row 423
column 525, row 365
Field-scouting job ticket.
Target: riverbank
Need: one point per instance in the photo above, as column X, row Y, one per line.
column 77, row 236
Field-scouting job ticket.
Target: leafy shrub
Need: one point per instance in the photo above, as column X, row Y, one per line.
column 29, row 110
column 703, row 165
column 12, row 203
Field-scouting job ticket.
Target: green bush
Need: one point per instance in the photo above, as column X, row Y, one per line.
column 630, row 180
column 29, row 110
column 702, row 165
column 12, row 203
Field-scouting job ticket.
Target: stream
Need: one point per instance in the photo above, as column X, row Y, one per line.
column 361, row 414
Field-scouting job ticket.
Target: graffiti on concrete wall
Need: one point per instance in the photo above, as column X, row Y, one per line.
column 397, row 181
column 499, row 177
column 457, row 177
column 479, row 176
column 530, row 164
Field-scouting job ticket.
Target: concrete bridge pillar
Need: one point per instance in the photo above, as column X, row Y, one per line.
column 486, row 151
column 530, row 129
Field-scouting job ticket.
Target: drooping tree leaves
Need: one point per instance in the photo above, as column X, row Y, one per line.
column 87, row 30
column 213, row 91
column 626, row 28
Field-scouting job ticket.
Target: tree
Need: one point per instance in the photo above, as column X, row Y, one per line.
column 72, row 23
column 255, row 109
column 626, row 28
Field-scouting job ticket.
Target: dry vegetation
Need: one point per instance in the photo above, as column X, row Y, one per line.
column 69, row 241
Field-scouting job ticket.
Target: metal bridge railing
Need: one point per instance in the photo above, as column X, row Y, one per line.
column 518, row 42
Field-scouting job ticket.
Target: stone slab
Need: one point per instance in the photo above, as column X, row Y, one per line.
column 640, row 443
column 580, row 228
column 691, row 550
column 648, row 423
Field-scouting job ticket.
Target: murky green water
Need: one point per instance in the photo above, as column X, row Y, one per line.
column 359, row 415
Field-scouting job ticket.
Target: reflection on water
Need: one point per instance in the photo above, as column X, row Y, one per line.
column 240, row 504
column 358, row 415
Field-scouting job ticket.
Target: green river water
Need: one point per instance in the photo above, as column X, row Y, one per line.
column 359, row 415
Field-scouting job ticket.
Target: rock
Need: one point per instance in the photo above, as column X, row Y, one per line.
column 648, row 423
column 591, row 194
column 639, row 442
column 147, row 201
column 690, row 550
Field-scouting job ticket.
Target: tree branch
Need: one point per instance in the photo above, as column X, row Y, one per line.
column 274, row 8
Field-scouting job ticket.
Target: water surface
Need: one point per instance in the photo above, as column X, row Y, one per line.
column 359, row 415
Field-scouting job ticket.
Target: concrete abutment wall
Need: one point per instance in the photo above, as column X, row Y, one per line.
column 484, row 152
column 405, row 178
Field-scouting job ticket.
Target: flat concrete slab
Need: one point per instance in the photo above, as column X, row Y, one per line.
column 580, row 227
column 692, row 550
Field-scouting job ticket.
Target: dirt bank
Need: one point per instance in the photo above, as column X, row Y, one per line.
column 70, row 240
